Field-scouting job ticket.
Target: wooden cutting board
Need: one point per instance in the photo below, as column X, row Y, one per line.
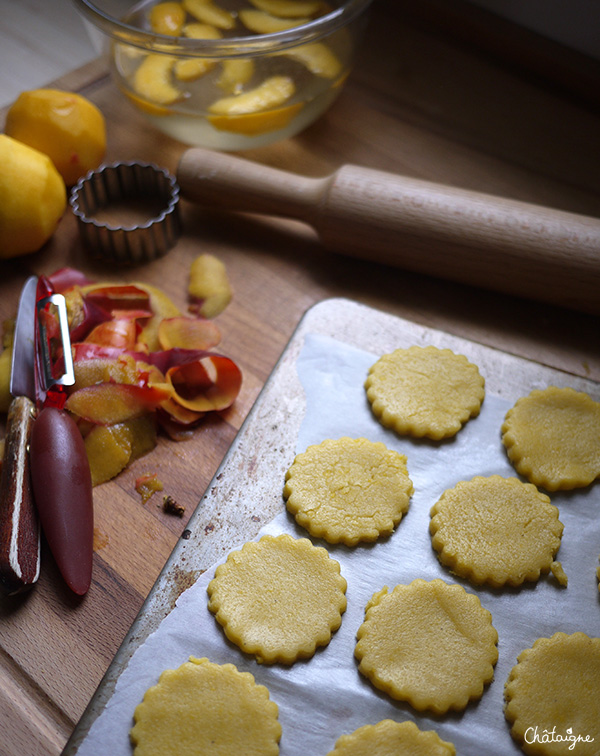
column 426, row 100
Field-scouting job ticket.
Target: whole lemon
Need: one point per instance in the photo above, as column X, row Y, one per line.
column 64, row 125
column 33, row 198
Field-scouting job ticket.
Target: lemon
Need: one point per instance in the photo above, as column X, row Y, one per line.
column 33, row 198
column 65, row 126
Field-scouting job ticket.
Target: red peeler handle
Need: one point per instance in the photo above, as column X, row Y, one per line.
column 62, row 488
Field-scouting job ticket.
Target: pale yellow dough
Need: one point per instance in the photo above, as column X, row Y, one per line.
column 428, row 643
column 202, row 708
column 495, row 530
column 348, row 490
column 552, row 437
column 278, row 598
column 425, row 391
column 561, row 576
column 555, row 686
column 389, row 738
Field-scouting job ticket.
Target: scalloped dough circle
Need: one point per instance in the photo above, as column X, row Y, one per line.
column 390, row 738
column 202, row 707
column 348, row 490
column 552, row 437
column 425, row 391
column 495, row 530
column 278, row 598
column 431, row 644
column 555, row 685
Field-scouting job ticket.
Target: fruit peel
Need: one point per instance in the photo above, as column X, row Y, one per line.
column 125, row 392
column 209, row 289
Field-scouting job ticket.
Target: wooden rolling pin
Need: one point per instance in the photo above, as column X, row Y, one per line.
column 478, row 239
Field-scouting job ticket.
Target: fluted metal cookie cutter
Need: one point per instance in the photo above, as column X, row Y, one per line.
column 150, row 188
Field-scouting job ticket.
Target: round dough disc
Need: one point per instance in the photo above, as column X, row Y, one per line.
column 553, row 696
column 429, row 643
column 495, row 530
column 552, row 437
column 278, row 598
column 348, row 490
column 202, row 707
column 424, row 391
column 389, row 738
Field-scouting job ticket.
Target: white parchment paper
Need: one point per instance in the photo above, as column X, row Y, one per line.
column 324, row 697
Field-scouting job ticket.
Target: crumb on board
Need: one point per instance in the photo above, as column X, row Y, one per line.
column 147, row 485
column 170, row 506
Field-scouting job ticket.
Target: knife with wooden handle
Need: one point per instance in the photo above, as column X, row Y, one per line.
column 19, row 525
column 45, row 476
column 490, row 242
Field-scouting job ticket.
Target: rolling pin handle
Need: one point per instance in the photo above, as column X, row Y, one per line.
column 226, row 182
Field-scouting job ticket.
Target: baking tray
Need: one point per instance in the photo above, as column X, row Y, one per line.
column 245, row 493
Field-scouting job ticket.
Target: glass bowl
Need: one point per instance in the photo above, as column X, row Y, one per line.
column 229, row 74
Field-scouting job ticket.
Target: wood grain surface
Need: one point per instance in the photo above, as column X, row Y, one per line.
column 424, row 101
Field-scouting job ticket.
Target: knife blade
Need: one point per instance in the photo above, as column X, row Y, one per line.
column 60, row 472
column 19, row 523
column 21, row 373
